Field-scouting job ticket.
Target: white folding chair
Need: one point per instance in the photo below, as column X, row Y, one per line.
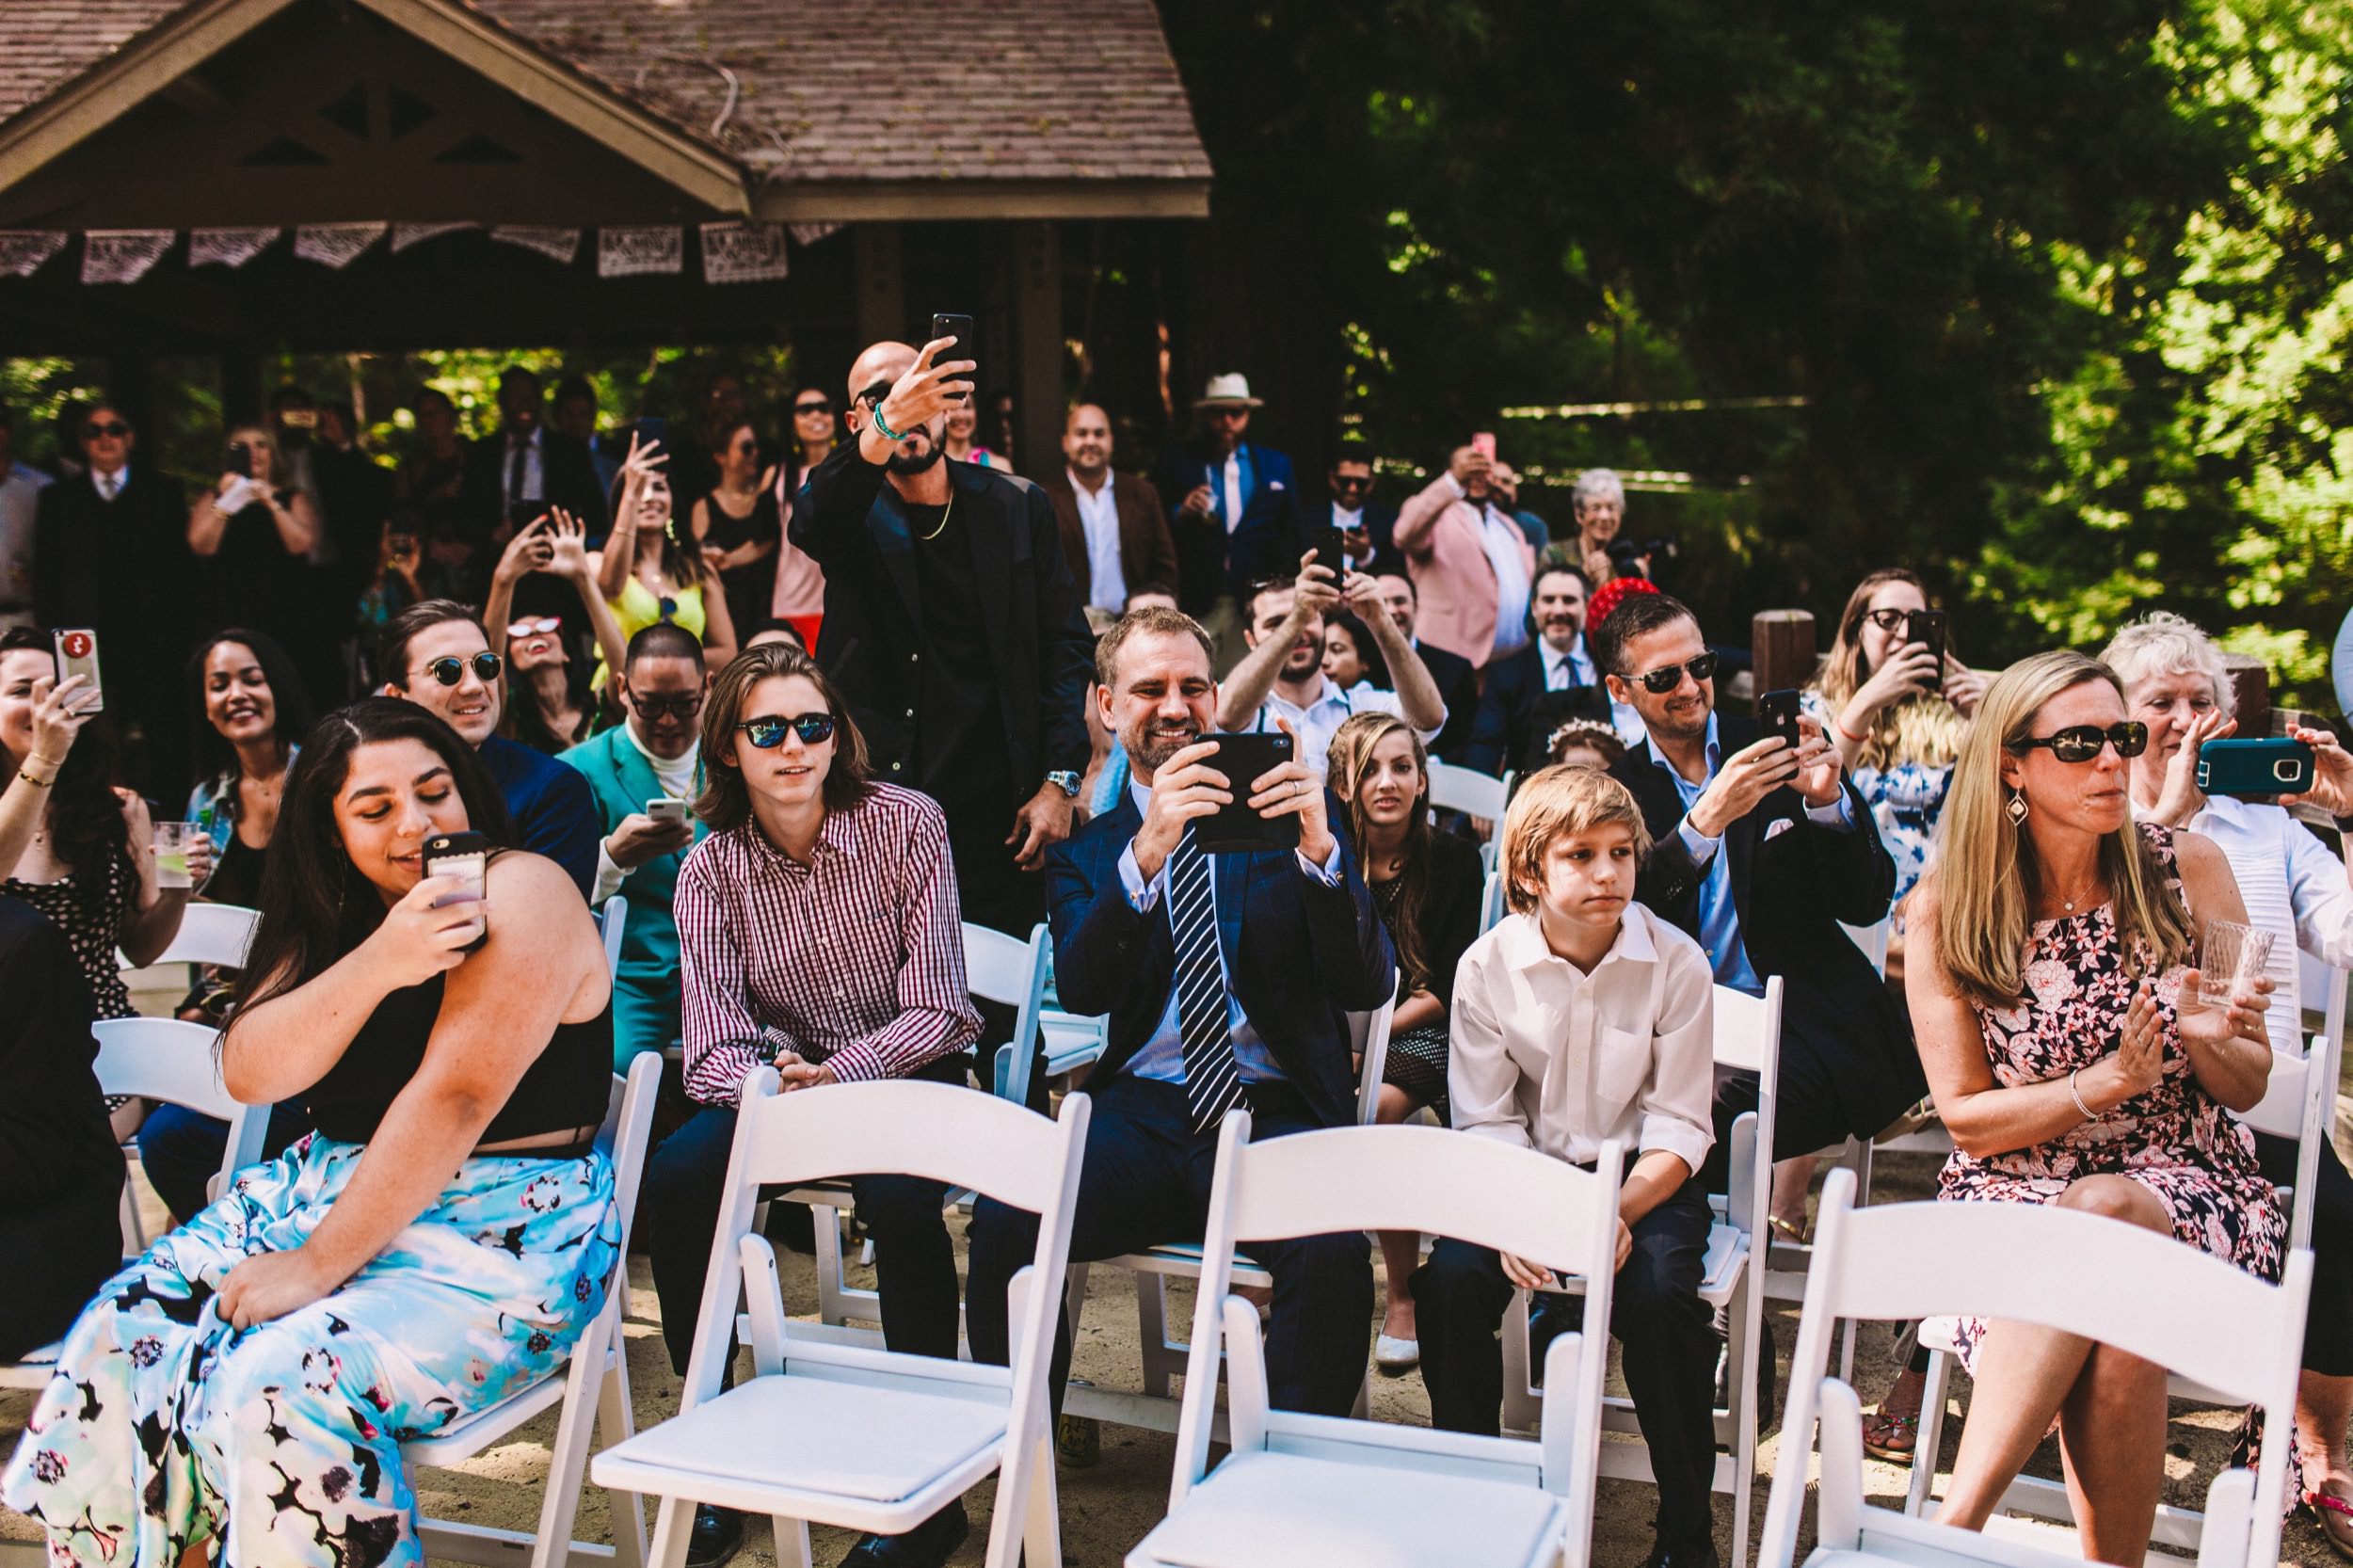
column 1163, row 1356
column 1748, row 1038
column 1315, row 1489
column 592, row 1388
column 844, row 1434
column 610, row 920
column 1490, row 904
column 2136, row 1289
column 1455, row 788
column 166, row 1060
column 209, row 934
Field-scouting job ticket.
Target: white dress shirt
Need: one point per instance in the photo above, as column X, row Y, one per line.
column 1099, row 516
column 1232, row 485
column 1321, row 719
column 1564, row 671
column 1545, row 1056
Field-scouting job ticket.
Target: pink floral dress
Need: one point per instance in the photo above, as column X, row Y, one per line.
column 2174, row 1139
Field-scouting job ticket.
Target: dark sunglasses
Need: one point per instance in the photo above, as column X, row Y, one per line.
column 819, row 407
column 746, row 445
column 1659, row 683
column 114, row 427
column 450, row 669
column 2081, row 743
column 767, row 733
column 675, row 705
column 1349, row 482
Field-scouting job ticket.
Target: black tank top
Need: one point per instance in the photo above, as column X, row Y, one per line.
column 566, row 1088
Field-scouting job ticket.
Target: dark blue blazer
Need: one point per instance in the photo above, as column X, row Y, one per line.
column 1515, row 706
column 1314, row 953
column 555, row 811
column 1211, row 561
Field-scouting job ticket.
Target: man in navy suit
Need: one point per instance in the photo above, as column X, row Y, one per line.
column 1532, row 691
column 1368, row 532
column 1234, row 509
column 1150, row 931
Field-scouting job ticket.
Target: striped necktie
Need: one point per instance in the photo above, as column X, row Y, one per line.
column 1212, row 1077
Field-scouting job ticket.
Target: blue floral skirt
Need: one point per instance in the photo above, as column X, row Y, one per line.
column 163, row 1426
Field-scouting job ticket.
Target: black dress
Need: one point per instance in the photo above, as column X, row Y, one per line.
column 750, row 589
column 1449, row 923
column 254, row 581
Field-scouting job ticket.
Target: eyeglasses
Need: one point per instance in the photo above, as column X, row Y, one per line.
column 113, row 427
column 1887, row 620
column 656, row 705
column 534, row 628
column 819, row 407
column 2081, row 743
column 767, row 733
column 450, row 669
column 1349, row 481
column 1659, row 683
column 751, row 446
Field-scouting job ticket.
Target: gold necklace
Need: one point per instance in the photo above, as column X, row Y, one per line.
column 943, row 516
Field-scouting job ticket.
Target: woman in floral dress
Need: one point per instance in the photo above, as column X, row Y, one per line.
column 2075, row 1062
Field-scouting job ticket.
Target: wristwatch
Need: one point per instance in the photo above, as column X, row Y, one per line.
column 1064, row 780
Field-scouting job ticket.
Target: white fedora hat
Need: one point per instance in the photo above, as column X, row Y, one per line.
column 1228, row 392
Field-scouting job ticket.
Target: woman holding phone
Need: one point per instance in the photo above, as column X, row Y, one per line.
column 253, row 536
column 738, row 527
column 435, row 1247
column 647, row 574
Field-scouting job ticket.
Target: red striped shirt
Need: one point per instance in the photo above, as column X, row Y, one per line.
column 855, row 960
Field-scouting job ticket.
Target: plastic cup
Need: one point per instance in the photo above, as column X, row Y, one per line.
column 172, row 853
column 2232, row 956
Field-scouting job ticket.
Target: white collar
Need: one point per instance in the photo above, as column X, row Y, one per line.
column 1524, row 946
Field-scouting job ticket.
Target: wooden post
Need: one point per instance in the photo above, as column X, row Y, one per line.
column 2251, row 686
column 1781, row 643
column 882, row 310
column 1037, row 389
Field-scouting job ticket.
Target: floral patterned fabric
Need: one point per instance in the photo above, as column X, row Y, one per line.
column 1905, row 801
column 163, row 1426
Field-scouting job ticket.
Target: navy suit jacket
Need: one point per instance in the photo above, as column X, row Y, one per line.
column 1517, row 716
column 1314, row 953
column 555, row 813
column 1211, row 561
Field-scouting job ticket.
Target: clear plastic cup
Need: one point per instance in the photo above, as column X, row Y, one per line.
column 172, row 853
column 2231, row 957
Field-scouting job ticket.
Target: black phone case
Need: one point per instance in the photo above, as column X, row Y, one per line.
column 946, row 325
column 1234, row 828
column 1928, row 626
column 1777, row 712
column 1331, row 551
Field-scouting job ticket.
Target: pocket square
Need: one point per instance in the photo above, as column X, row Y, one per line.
column 1274, row 484
column 1779, row 827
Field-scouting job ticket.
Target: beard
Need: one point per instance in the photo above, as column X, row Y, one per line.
column 905, row 463
column 1151, row 744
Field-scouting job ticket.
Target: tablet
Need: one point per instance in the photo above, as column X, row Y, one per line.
column 1234, row 828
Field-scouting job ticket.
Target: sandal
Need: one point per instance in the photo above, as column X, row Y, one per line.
column 2335, row 1517
column 1879, row 1430
column 1795, row 1234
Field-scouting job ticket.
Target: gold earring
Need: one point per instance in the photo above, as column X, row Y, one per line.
column 2016, row 809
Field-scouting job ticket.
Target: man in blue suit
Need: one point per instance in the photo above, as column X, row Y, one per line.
column 1234, row 509
column 654, row 756
column 1150, row 930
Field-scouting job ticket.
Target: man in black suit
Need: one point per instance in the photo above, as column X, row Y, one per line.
column 111, row 552
column 1760, row 852
column 1544, row 684
column 1368, row 532
column 1455, row 677
column 952, row 627
column 520, row 471
column 1151, row 931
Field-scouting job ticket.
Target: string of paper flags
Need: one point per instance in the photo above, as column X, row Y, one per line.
column 732, row 253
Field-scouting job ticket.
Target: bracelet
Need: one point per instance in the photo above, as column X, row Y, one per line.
column 1839, row 724
column 2077, row 1096
column 37, row 782
column 886, row 431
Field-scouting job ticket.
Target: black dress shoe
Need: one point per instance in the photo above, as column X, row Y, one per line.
column 1698, row 1551
column 926, row 1546
column 717, row 1535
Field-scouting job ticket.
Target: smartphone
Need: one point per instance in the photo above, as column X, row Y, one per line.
column 240, row 461
column 77, row 654
column 2255, row 767
column 1484, row 442
column 669, row 813
column 522, row 514
column 1926, row 626
column 968, row 347
column 464, row 856
column 1778, row 713
column 1234, row 828
column 1331, row 551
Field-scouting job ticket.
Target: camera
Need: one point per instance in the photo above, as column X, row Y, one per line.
column 1640, row 557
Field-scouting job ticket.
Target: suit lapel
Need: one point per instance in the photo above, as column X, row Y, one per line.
column 630, row 770
column 985, row 531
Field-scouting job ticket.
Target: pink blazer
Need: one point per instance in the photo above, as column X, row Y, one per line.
column 1438, row 532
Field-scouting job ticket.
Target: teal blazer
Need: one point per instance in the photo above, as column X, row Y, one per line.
column 622, row 781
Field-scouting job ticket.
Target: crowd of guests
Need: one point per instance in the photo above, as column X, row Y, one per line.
column 804, row 708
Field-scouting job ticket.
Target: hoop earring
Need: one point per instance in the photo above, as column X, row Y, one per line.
column 2016, row 809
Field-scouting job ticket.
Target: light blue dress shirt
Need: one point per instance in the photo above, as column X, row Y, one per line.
column 1163, row 1057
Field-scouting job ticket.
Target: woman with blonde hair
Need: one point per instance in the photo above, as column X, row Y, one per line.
column 1426, row 887
column 2075, row 1061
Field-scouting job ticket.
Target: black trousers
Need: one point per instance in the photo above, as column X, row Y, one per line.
column 1147, row 1181
column 914, row 1265
column 1839, row 1079
column 1460, row 1297
column 2328, row 1323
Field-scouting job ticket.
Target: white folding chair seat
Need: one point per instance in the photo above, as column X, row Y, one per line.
column 1163, row 1355
column 1747, row 1038
column 1300, row 1489
column 840, row 1433
column 1491, row 903
column 219, row 933
column 2140, row 1291
column 612, row 921
column 592, row 1388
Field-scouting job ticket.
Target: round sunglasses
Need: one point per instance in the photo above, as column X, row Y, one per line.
column 1659, row 683
column 767, row 733
column 450, row 669
column 2081, row 743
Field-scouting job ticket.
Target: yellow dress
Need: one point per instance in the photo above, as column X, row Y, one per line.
column 639, row 607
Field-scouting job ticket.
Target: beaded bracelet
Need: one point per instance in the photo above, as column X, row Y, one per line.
column 2077, row 1096
column 886, row 431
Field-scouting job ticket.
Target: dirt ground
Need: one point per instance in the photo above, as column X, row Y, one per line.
column 1108, row 1507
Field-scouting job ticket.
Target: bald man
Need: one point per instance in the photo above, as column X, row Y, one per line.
column 954, row 626
column 1113, row 533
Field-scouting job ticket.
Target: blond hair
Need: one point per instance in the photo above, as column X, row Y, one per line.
column 1986, row 874
column 1347, row 761
column 1922, row 728
column 1561, row 799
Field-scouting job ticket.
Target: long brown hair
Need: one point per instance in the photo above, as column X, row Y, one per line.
column 726, row 801
column 1348, row 760
column 1986, row 875
column 1922, row 728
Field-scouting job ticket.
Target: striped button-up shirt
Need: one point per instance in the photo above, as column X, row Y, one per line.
column 854, row 960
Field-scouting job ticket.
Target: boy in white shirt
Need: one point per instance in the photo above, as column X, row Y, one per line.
column 1581, row 1018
